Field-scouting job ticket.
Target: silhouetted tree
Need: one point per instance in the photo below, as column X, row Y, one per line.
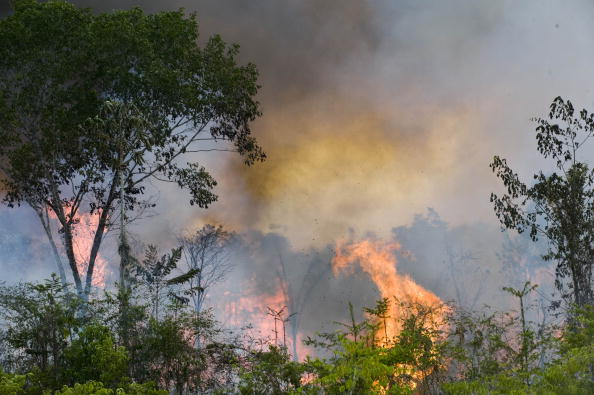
column 559, row 206
column 207, row 252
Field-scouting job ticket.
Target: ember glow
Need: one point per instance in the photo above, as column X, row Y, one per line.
column 377, row 259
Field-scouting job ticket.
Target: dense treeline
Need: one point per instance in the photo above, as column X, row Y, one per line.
column 52, row 340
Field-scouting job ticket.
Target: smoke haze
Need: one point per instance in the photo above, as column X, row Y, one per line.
column 373, row 112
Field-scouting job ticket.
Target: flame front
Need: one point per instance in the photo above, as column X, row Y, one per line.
column 377, row 259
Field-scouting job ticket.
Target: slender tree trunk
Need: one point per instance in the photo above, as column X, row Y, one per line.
column 44, row 219
column 56, row 206
column 99, row 237
column 69, row 247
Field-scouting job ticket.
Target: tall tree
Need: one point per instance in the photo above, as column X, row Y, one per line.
column 559, row 205
column 207, row 251
column 62, row 150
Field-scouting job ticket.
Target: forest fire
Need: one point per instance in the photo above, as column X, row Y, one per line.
column 376, row 258
column 255, row 310
column 307, row 197
column 268, row 316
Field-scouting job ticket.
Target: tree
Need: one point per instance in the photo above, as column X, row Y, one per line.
column 558, row 206
column 270, row 372
column 152, row 273
column 39, row 321
column 93, row 356
column 207, row 253
column 527, row 335
column 364, row 360
column 91, row 104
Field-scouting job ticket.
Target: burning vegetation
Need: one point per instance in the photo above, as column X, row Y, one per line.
column 98, row 108
column 378, row 260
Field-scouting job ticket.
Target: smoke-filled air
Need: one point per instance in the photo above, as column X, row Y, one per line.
column 296, row 197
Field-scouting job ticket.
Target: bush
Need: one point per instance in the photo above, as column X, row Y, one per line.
column 93, row 356
column 97, row 388
column 11, row 384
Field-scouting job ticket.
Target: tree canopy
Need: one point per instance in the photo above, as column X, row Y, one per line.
column 559, row 206
column 93, row 104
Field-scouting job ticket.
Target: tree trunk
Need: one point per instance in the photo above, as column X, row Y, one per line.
column 48, row 232
column 69, row 247
column 99, row 237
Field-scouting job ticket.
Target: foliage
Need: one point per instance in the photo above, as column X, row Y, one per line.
column 364, row 359
column 358, row 369
column 94, row 356
column 49, row 334
column 91, row 104
column 580, row 331
column 573, row 374
column 484, row 353
column 170, row 356
column 12, row 384
column 570, row 375
column 152, row 273
column 97, row 388
column 514, row 368
column 559, row 206
column 270, row 372
column 40, row 320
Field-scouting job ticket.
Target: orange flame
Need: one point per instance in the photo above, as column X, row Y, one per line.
column 377, row 259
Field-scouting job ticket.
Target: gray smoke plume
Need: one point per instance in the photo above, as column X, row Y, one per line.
column 374, row 111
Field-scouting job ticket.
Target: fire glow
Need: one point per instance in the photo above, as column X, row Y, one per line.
column 377, row 259
column 83, row 241
column 84, row 233
column 268, row 317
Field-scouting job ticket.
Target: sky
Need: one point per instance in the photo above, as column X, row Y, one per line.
column 376, row 111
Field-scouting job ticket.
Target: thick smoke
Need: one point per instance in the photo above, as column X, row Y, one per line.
column 374, row 111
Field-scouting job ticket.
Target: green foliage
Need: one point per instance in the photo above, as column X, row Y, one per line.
column 481, row 344
column 39, row 320
column 90, row 388
column 516, row 370
column 580, row 331
column 12, row 384
column 48, row 333
column 559, row 206
column 153, row 274
column 270, row 372
column 94, row 356
column 91, row 104
column 180, row 351
column 169, row 355
column 357, row 369
column 377, row 363
column 97, row 388
column 572, row 374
